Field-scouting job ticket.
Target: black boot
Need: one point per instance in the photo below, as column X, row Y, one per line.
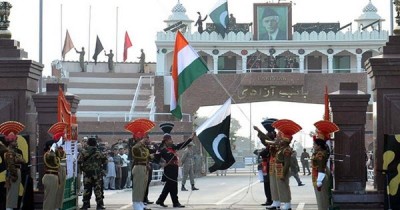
column 194, row 188
column 85, row 206
column 183, row 188
column 100, row 205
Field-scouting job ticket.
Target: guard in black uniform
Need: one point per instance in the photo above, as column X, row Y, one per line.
column 168, row 151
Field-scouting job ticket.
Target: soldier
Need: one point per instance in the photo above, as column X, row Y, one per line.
column 319, row 159
column 57, row 131
column 51, row 179
column 141, row 157
column 81, row 58
column 168, row 152
column 13, row 158
column 188, row 166
column 268, row 161
column 287, row 129
column 92, row 161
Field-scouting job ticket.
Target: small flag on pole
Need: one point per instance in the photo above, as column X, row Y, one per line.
column 214, row 136
column 219, row 16
column 68, row 45
column 127, row 44
column 98, row 49
column 187, row 66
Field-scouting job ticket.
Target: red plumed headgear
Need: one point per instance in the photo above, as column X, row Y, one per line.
column 57, row 130
column 10, row 129
column 287, row 128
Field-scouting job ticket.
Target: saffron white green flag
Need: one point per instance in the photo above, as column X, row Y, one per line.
column 187, row 66
column 219, row 15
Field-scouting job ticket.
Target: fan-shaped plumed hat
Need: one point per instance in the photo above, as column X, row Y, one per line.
column 10, row 129
column 287, row 128
column 139, row 127
column 325, row 128
column 267, row 124
column 57, row 130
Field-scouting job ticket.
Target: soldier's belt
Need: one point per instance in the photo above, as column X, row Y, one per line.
column 51, row 172
column 141, row 164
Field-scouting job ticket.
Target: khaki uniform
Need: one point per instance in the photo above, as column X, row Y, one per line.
column 282, row 167
column 62, row 175
column 318, row 164
column 51, row 180
column 272, row 173
column 140, row 155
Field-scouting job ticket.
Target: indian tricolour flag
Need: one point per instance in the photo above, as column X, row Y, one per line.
column 187, row 67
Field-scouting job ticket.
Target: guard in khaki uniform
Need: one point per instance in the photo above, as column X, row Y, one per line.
column 287, row 129
column 319, row 159
column 57, row 131
column 50, row 179
column 14, row 159
column 141, row 157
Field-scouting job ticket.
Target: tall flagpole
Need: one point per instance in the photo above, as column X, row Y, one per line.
column 40, row 41
column 90, row 20
column 61, row 27
column 116, row 38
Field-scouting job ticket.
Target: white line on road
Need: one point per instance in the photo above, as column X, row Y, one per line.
column 125, row 207
column 300, row 206
column 234, row 194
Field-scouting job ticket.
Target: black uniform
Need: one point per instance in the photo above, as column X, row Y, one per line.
column 170, row 176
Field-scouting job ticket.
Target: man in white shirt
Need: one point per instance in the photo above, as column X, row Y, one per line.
column 124, row 167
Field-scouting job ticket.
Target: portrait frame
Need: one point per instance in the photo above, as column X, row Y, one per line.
column 283, row 10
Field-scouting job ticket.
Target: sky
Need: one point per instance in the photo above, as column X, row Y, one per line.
column 254, row 113
column 142, row 20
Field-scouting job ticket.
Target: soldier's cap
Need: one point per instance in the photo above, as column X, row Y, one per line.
column 287, row 128
column 10, row 130
column 57, row 130
column 325, row 128
column 139, row 127
column 92, row 141
column 267, row 124
column 167, row 127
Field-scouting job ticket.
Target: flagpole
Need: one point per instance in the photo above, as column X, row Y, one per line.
column 40, row 41
column 61, row 27
column 116, row 37
column 90, row 20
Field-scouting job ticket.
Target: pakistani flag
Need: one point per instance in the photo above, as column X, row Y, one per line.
column 214, row 136
column 187, row 66
column 219, row 16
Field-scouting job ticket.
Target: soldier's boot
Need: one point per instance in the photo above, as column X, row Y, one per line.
column 183, row 188
column 100, row 205
column 194, row 188
column 85, row 206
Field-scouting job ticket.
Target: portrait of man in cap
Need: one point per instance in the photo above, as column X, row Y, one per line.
column 272, row 22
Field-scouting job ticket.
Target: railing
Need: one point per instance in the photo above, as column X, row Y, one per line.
column 126, row 116
column 137, row 91
column 157, row 175
column 278, row 70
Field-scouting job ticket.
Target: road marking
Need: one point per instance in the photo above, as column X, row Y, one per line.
column 234, row 194
column 125, row 207
column 300, row 206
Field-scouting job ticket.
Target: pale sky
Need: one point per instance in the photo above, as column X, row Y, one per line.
column 302, row 113
column 143, row 19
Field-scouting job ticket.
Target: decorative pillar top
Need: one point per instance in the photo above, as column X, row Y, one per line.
column 396, row 30
column 5, row 8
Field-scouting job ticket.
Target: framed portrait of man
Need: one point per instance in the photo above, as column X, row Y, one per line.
column 272, row 21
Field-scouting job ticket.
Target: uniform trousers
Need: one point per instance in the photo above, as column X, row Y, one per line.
column 188, row 171
column 323, row 195
column 12, row 192
column 62, row 174
column 51, row 186
column 284, row 189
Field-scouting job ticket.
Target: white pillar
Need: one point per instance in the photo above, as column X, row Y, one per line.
column 244, row 64
column 215, row 58
column 161, row 67
column 330, row 63
column 359, row 58
column 301, row 63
